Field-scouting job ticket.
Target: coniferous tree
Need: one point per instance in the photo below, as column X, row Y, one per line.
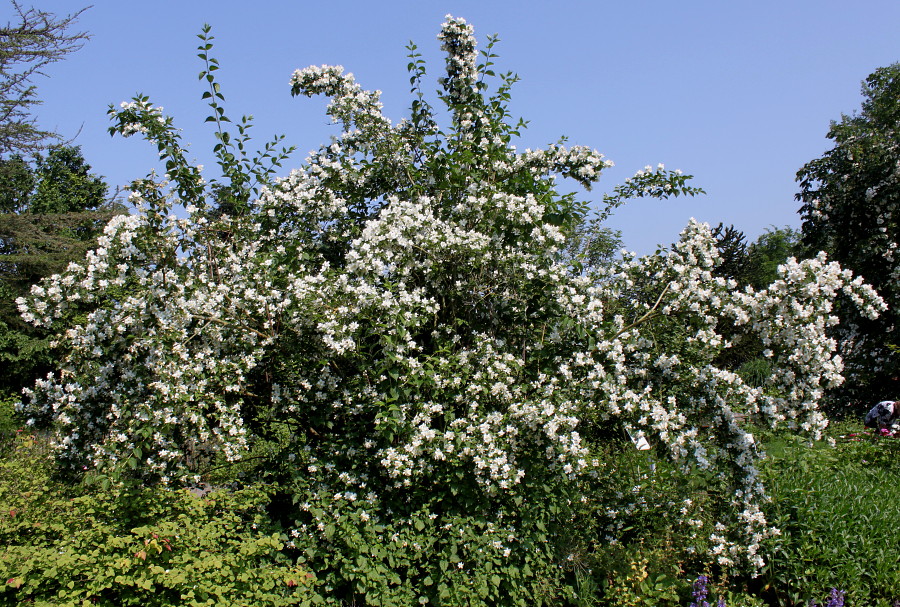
column 27, row 46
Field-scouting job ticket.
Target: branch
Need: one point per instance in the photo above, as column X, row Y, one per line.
column 231, row 325
column 40, row 38
column 651, row 313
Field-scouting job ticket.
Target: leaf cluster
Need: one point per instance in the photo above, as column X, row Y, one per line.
column 65, row 545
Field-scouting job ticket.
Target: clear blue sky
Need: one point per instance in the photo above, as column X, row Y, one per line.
column 739, row 94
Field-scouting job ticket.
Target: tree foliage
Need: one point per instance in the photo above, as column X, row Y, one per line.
column 395, row 338
column 28, row 45
column 755, row 264
column 769, row 251
column 851, row 209
column 52, row 211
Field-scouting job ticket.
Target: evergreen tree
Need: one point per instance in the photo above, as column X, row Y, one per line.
column 53, row 211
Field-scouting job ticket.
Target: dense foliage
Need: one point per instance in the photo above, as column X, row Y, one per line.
column 48, row 204
column 51, row 211
column 851, row 209
column 163, row 546
column 835, row 508
column 61, row 545
column 397, row 341
column 755, row 263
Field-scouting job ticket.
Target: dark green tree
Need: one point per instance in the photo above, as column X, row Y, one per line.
column 755, row 264
column 851, row 210
column 65, row 184
column 16, row 184
column 732, row 246
column 52, row 211
column 769, row 251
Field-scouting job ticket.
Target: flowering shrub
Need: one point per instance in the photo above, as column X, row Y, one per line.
column 395, row 336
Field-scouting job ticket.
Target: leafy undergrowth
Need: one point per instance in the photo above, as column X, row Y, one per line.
column 148, row 547
column 837, row 509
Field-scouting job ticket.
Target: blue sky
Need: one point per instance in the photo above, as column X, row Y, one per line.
column 738, row 94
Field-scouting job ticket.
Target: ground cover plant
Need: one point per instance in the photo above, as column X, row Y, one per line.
column 835, row 508
column 62, row 545
column 397, row 343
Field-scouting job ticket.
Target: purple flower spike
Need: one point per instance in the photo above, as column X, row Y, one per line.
column 700, row 592
column 835, row 599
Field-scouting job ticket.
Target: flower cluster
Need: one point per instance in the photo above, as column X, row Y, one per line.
column 140, row 112
column 700, row 593
column 351, row 105
column 458, row 41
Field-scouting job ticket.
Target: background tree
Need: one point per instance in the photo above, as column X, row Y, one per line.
column 851, row 210
column 769, row 251
column 732, row 246
column 16, row 183
column 51, row 207
column 753, row 265
column 52, row 211
column 592, row 246
column 27, row 46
